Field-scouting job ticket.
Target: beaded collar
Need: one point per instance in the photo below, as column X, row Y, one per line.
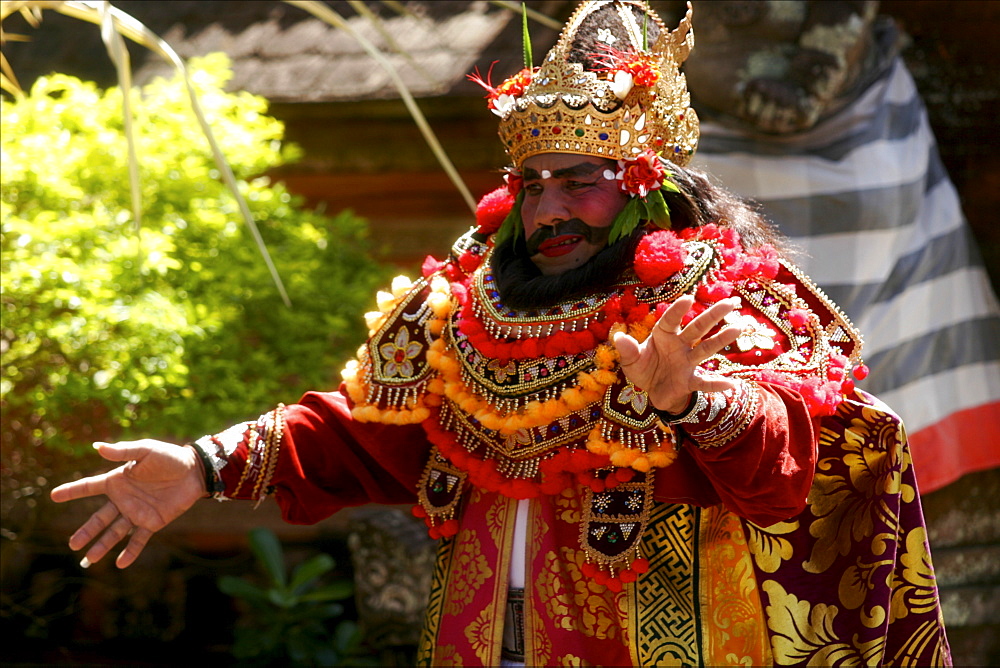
column 503, row 322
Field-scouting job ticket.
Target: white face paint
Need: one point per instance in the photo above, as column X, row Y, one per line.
column 546, row 174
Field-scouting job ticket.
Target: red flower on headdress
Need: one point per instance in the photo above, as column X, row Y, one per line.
column 501, row 98
column 628, row 68
column 642, row 174
column 514, row 182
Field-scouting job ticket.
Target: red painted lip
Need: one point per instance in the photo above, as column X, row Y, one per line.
column 556, row 246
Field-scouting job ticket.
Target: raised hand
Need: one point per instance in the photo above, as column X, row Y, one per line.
column 157, row 484
column 665, row 364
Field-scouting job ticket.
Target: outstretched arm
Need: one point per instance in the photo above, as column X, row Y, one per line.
column 665, row 364
column 157, row 484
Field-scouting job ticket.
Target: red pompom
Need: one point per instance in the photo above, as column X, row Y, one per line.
column 458, row 291
column 614, row 584
column 624, row 474
column 715, row 292
column 492, row 210
column 449, row 528
column 659, row 256
column 710, row 231
column 640, row 565
column 589, row 569
column 861, row 372
column 767, row 261
column 418, row 511
column 797, row 317
column 730, row 237
column 628, row 576
column 470, row 262
column 431, row 265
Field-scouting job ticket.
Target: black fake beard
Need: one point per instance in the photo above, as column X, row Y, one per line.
column 592, row 235
column 522, row 286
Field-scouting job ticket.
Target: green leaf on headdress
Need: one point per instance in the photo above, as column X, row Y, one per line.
column 670, row 185
column 511, row 226
column 526, row 38
column 657, row 210
column 652, row 208
column 627, row 219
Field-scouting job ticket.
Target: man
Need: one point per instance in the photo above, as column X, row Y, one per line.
column 628, row 419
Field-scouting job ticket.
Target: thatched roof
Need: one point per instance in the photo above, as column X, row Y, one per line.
column 285, row 54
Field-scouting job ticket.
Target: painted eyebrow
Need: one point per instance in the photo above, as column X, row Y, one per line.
column 580, row 169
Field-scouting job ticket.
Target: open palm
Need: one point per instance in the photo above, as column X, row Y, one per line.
column 665, row 364
column 159, row 482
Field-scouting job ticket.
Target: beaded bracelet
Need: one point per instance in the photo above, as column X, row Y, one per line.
column 248, row 464
column 269, row 459
column 668, row 418
column 213, row 481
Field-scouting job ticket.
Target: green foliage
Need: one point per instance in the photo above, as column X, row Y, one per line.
column 291, row 620
column 176, row 330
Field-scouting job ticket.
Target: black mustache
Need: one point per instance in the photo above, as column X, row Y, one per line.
column 593, row 235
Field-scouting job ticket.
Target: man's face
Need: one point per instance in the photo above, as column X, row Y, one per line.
column 568, row 209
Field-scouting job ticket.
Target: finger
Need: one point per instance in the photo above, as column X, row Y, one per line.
column 707, row 319
column 80, row 489
column 713, row 383
column 93, row 527
column 628, row 348
column 123, row 451
column 716, row 343
column 95, row 485
column 118, row 530
column 136, row 544
column 672, row 318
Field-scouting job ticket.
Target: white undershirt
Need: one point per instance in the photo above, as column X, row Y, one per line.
column 518, row 557
column 519, row 546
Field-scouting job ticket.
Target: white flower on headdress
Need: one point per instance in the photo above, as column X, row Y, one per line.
column 606, row 36
column 621, row 84
column 503, row 105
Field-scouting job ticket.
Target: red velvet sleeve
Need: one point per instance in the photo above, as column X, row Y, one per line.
column 756, row 454
column 326, row 460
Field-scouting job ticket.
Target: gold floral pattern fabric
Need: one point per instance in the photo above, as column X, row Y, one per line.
column 849, row 581
column 733, row 628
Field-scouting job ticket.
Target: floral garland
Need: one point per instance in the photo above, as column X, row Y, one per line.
column 590, row 387
column 659, row 255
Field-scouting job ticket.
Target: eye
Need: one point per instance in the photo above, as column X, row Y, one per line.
column 577, row 185
column 533, row 188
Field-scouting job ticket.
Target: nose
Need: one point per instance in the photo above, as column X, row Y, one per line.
column 551, row 209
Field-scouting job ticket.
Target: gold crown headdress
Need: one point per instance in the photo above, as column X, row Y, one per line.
column 634, row 99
